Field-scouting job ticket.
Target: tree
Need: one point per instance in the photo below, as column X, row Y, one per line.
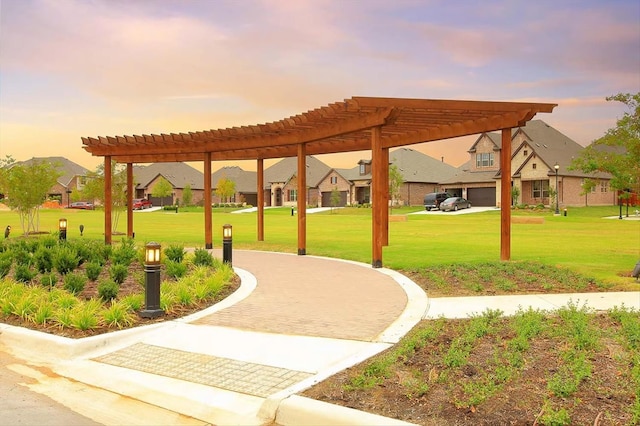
column 618, row 151
column 395, row 183
column 335, row 198
column 26, row 187
column 225, row 189
column 187, row 195
column 162, row 189
column 515, row 193
column 94, row 190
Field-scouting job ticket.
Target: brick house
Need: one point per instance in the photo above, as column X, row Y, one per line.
column 420, row 173
column 536, row 150
column 281, row 183
column 72, row 178
column 179, row 175
column 245, row 185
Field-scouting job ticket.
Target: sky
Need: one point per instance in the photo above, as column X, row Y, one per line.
column 74, row 68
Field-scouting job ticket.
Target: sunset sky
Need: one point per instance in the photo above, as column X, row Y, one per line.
column 119, row 67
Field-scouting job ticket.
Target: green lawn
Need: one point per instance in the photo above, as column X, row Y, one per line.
column 584, row 241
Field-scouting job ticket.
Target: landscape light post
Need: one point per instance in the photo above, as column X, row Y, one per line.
column 62, row 228
column 152, row 281
column 557, row 198
column 227, row 242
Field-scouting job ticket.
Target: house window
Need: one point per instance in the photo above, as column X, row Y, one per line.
column 484, row 159
column 334, row 180
column 293, row 195
column 540, row 188
column 534, row 166
column 525, row 152
column 362, row 169
column 604, row 186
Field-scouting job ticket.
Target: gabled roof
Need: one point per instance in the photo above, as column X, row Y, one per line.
column 68, row 168
column 246, row 181
column 178, row 174
column 285, row 169
column 415, row 166
column 496, row 138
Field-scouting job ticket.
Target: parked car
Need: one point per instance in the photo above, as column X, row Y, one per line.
column 455, row 203
column 433, row 199
column 83, row 205
column 141, row 203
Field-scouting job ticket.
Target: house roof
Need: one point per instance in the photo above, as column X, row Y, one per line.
column 68, row 168
column 178, row 174
column 245, row 181
column 415, row 166
column 343, row 126
column 286, row 168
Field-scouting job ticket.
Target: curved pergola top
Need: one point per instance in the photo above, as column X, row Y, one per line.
column 338, row 127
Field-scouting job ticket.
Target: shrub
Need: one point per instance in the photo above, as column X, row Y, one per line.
column 175, row 253
column 24, row 273
column 108, row 290
column 48, row 280
column 118, row 315
column 5, row 264
column 43, row 259
column 74, row 283
column 125, row 253
column 22, row 256
column 93, row 269
column 65, row 259
column 118, row 272
column 202, row 257
column 175, row 269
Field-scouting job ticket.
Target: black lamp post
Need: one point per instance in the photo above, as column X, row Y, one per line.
column 152, row 281
column 62, row 228
column 557, row 198
column 227, row 242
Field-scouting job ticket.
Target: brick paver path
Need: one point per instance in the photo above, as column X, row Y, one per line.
column 311, row 296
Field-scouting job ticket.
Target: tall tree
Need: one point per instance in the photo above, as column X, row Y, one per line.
column 94, row 190
column 26, row 187
column 225, row 189
column 395, row 183
column 187, row 195
column 618, row 151
column 162, row 189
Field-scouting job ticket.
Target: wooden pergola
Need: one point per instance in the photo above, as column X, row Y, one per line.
column 355, row 124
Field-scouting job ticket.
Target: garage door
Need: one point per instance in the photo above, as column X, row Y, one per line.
column 482, row 196
column 326, row 199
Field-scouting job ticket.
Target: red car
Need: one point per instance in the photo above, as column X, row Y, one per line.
column 81, row 205
column 141, row 204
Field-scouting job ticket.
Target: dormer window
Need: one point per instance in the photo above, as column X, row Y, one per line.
column 484, row 159
column 362, row 169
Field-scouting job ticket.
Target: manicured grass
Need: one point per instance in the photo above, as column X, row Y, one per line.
column 583, row 241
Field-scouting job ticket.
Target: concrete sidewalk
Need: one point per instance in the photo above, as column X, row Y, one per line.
column 295, row 321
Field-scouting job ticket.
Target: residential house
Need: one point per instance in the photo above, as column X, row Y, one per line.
column 420, row 173
column 245, row 184
column 537, row 149
column 72, row 178
column 281, row 183
column 179, row 175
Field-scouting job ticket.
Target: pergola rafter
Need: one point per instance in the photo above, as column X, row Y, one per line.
column 355, row 124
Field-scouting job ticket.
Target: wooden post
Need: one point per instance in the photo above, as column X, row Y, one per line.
column 130, row 200
column 302, row 199
column 505, row 196
column 377, row 196
column 385, row 216
column 107, row 199
column 260, row 201
column 208, row 223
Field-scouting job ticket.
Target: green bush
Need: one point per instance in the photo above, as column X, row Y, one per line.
column 108, row 290
column 175, row 269
column 118, row 272
column 65, row 259
column 202, row 257
column 175, row 253
column 74, row 282
column 93, row 269
column 24, row 273
column 125, row 253
column 48, row 280
column 5, row 264
column 22, row 256
column 43, row 259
